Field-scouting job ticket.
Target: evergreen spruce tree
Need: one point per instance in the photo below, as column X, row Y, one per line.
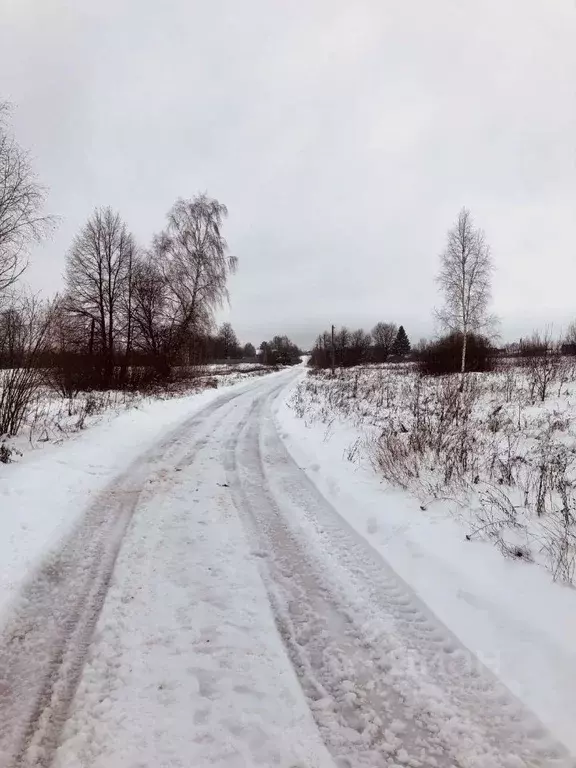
column 401, row 344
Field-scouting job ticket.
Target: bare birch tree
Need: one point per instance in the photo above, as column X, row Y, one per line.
column 21, row 202
column 197, row 260
column 465, row 280
column 98, row 280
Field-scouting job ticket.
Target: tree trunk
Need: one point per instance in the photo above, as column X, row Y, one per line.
column 332, row 353
column 128, row 351
column 463, row 362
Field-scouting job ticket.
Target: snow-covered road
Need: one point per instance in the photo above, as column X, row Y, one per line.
column 212, row 608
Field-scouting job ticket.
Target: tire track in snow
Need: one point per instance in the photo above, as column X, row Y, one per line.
column 45, row 638
column 387, row 683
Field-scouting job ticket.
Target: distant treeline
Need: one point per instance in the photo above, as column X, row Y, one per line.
column 436, row 357
column 353, row 347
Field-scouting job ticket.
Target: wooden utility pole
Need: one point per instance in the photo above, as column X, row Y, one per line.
column 333, row 353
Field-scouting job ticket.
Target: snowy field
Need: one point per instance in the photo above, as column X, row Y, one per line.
column 502, row 456
column 507, row 610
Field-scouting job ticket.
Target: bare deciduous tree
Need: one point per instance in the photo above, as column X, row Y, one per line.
column 542, row 360
column 341, row 344
column 249, row 350
column 465, row 280
column 227, row 341
column 98, row 278
column 360, row 342
column 197, row 260
column 21, row 201
column 383, row 337
column 155, row 322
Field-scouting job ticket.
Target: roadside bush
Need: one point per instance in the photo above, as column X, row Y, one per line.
column 432, row 441
column 445, row 355
column 70, row 373
column 544, row 365
column 5, row 454
column 18, row 390
column 21, row 380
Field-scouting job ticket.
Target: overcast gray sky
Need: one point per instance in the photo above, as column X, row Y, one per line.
column 343, row 135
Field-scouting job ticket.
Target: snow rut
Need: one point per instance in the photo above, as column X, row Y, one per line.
column 43, row 643
column 387, row 683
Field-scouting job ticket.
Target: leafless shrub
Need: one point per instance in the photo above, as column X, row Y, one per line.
column 511, row 385
column 392, row 457
column 68, row 374
column 91, row 405
column 5, row 454
column 495, row 521
column 550, row 471
column 506, row 459
column 298, row 400
column 558, row 515
column 515, row 551
column 19, row 385
column 497, row 514
column 543, row 364
column 559, row 546
column 352, row 452
column 437, row 436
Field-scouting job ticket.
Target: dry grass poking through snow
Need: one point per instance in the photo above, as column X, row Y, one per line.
column 504, row 450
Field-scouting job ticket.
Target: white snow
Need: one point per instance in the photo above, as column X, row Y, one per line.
column 44, row 493
column 514, row 619
column 186, row 667
column 258, row 614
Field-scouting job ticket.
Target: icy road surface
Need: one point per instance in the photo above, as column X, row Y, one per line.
column 212, row 609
